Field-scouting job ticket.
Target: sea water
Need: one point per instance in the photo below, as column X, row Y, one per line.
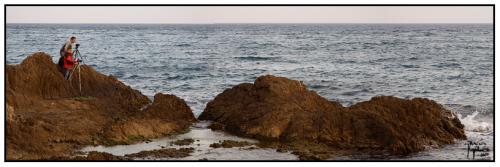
column 449, row 63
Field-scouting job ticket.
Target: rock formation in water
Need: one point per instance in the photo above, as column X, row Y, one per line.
column 278, row 109
column 47, row 116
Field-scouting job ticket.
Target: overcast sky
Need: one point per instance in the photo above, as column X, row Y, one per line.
column 249, row 14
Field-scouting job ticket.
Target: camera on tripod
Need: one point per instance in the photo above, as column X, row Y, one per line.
column 79, row 58
column 77, row 53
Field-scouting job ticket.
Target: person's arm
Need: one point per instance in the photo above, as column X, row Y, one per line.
column 66, row 46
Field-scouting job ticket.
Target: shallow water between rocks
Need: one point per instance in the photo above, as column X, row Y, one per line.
column 202, row 137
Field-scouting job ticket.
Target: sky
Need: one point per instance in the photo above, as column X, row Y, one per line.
column 249, row 14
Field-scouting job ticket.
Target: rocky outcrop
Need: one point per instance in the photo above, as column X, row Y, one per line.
column 167, row 114
column 37, row 78
column 49, row 117
column 278, row 109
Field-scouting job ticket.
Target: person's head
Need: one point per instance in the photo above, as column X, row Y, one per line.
column 70, row 50
column 72, row 39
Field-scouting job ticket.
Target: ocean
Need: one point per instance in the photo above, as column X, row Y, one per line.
column 449, row 63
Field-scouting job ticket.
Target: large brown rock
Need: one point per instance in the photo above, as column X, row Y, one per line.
column 167, row 114
column 283, row 110
column 49, row 117
column 38, row 78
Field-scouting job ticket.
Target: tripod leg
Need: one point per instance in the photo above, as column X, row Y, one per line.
column 71, row 74
column 79, row 79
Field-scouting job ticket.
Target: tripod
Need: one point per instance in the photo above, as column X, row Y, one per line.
column 77, row 54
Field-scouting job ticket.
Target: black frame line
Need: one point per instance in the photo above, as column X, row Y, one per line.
column 317, row 5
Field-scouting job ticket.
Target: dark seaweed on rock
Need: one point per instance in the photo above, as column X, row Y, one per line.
column 283, row 110
column 163, row 153
column 183, row 142
column 230, row 144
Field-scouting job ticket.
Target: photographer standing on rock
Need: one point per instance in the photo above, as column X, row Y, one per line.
column 68, row 63
column 64, row 50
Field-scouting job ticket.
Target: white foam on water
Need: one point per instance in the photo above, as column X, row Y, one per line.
column 472, row 124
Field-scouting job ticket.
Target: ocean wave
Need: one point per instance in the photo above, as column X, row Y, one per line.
column 255, row 45
column 444, row 65
column 413, row 58
column 356, row 92
column 318, row 86
column 202, row 68
column 472, row 124
column 180, row 77
column 134, row 76
column 410, row 66
column 256, row 58
column 182, row 45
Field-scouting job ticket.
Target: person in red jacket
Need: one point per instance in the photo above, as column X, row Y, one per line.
column 68, row 63
column 64, row 50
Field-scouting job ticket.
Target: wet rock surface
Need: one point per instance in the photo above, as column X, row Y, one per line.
column 162, row 153
column 230, row 144
column 49, row 117
column 183, row 142
column 92, row 156
column 277, row 109
column 216, row 126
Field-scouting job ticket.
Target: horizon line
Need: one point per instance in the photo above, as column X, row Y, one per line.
column 271, row 23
